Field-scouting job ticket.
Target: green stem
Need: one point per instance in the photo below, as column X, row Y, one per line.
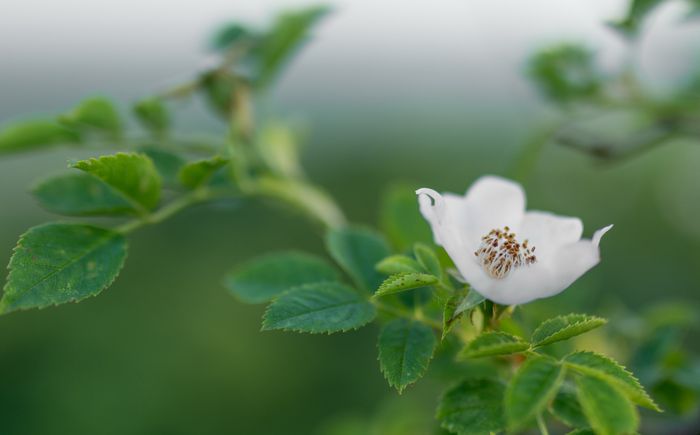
column 542, row 425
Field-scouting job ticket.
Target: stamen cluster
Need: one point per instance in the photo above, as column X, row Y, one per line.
column 500, row 252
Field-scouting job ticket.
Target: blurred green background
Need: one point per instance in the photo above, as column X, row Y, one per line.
column 166, row 350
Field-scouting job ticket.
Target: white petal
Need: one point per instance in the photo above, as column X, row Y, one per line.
column 547, row 231
column 494, row 202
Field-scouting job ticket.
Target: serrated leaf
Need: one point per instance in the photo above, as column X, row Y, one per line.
column 196, row 174
column 608, row 410
column 565, row 408
column 404, row 281
column 319, row 308
column 449, row 318
column 401, row 219
column 80, row 195
column 29, row 135
column 357, row 250
column 95, row 114
column 405, row 350
column 472, row 300
column 474, row 407
column 494, row 343
column 57, row 263
column 153, row 115
column 168, row 164
column 602, row 367
column 132, row 175
column 399, row 264
column 264, row 278
column 564, row 327
column 531, row 389
column 427, row 258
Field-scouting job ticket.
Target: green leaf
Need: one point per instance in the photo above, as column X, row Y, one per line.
column 494, row 343
column 449, row 318
column 531, row 389
column 566, row 73
column 405, row 350
column 401, row 219
column 317, row 308
column 153, row 115
column 229, row 35
column 264, row 278
column 472, row 300
column 288, row 32
column 631, row 25
column 217, row 89
column 357, row 250
column 581, row 432
column 404, row 281
column 96, row 115
column 29, row 135
column 196, row 174
column 564, row 327
column 566, row 409
column 474, row 407
column 278, row 148
column 132, row 175
column 57, row 263
column 427, row 258
column 399, row 264
column 167, row 164
column 80, row 195
column 608, row 411
column 602, row 367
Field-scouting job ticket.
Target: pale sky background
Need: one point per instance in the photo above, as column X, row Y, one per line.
column 367, row 52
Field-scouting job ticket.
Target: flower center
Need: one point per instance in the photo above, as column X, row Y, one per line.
column 500, row 252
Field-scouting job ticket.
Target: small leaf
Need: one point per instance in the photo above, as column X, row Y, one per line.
column 427, row 258
column 566, row 73
column 531, row 389
column 566, row 409
column 167, row 164
column 29, row 135
column 153, row 115
column 196, row 174
column 80, row 195
column 217, row 89
column 474, row 407
column 472, row 300
column 631, row 25
column 132, row 175
column 401, row 219
column 229, row 35
column 405, row 350
column 449, row 319
column 602, row 367
column 607, row 409
column 264, row 278
column 357, row 250
column 492, row 344
column 404, row 281
column 97, row 115
column 564, row 327
column 399, row 264
column 317, row 308
column 279, row 149
column 57, row 263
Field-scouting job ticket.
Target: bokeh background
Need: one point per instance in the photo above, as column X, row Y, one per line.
column 425, row 92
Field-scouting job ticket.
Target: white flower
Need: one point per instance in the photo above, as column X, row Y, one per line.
column 506, row 254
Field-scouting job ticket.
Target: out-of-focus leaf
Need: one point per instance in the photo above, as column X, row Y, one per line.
column 631, row 25
column 357, row 250
column 80, row 195
column 96, row 115
column 530, row 390
column 474, row 407
column 399, row 264
column 405, row 350
column 319, row 308
column 566, row 409
column 132, row 175
column 608, row 410
column 196, row 174
column 471, row 300
column 279, row 150
column 229, row 35
column 264, row 278
column 564, row 327
column 153, row 115
column 405, row 281
column 565, row 73
column 29, row 135
column 427, row 258
column 167, row 163
column 492, row 344
column 401, row 220
column 676, row 398
column 57, row 263
column 217, row 89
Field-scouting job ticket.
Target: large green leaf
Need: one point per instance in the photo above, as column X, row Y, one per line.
column 608, row 410
column 474, row 407
column 405, row 350
column 530, row 390
column 132, row 175
column 494, row 343
column 404, row 281
column 602, row 367
column 566, row 408
column 195, row 174
column 29, row 135
column 80, row 195
column 401, row 220
column 264, row 278
column 358, row 250
column 317, row 308
column 57, row 263
column 564, row 327
column 95, row 115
